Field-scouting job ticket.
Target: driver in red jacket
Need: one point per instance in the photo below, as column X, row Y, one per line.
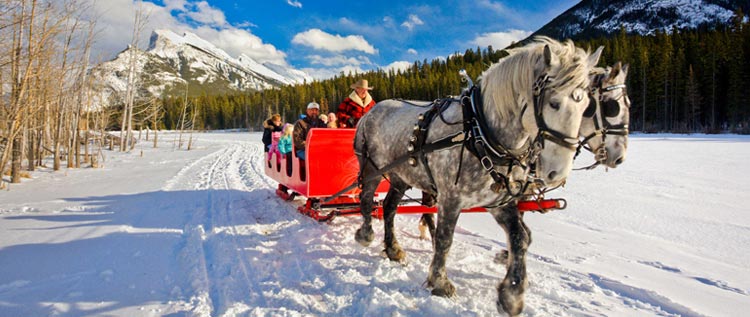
column 356, row 105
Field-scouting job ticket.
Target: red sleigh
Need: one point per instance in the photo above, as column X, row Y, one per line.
column 327, row 179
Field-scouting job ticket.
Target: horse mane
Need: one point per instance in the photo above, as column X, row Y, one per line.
column 513, row 75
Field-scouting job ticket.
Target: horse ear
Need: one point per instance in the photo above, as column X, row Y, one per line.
column 615, row 70
column 547, row 56
column 594, row 58
column 625, row 68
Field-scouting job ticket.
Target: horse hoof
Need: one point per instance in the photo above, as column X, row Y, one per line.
column 507, row 302
column 510, row 308
column 364, row 236
column 448, row 290
column 442, row 287
column 395, row 254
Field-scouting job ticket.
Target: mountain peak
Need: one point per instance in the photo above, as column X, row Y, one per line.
column 592, row 18
column 173, row 60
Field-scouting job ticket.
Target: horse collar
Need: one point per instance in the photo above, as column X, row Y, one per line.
column 484, row 147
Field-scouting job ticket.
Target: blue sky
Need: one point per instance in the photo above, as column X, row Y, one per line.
column 326, row 37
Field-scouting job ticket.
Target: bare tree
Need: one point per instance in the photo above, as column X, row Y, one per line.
column 126, row 130
column 43, row 81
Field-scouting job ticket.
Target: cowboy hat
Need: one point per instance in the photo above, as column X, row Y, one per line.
column 362, row 83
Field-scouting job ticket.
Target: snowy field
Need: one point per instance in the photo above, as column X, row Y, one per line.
column 167, row 232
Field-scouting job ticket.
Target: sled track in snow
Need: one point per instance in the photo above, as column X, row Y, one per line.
column 228, row 276
column 230, row 237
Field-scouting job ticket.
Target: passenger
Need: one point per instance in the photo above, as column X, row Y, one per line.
column 285, row 142
column 323, row 118
column 285, row 146
column 356, row 105
column 332, row 120
column 274, row 148
column 271, row 125
column 304, row 125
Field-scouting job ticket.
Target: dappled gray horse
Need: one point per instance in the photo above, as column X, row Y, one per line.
column 604, row 128
column 529, row 114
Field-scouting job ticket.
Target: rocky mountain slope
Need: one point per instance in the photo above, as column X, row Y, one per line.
column 173, row 62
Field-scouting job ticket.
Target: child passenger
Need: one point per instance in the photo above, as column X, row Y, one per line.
column 332, row 120
column 285, row 146
column 285, row 142
column 274, row 148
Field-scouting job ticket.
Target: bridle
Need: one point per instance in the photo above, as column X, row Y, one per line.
column 600, row 108
column 545, row 132
column 490, row 152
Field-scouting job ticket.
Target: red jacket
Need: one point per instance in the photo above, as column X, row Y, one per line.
column 351, row 109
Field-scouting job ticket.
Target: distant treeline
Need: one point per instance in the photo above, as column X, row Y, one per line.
column 682, row 81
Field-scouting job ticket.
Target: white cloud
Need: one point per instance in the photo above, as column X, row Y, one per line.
column 246, row 24
column 115, row 18
column 398, row 65
column 294, row 3
column 497, row 7
column 204, row 14
column 500, row 40
column 388, row 22
column 175, row 5
column 238, row 41
column 321, row 40
column 413, row 21
column 412, row 51
column 339, row 60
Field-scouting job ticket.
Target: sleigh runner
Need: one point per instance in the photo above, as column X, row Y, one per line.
column 328, row 179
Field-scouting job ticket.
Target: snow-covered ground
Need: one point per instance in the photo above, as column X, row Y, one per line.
column 169, row 232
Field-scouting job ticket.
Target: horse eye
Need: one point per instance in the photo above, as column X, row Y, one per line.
column 554, row 105
column 577, row 95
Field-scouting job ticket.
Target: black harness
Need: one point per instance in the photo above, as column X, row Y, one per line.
column 475, row 138
column 483, row 145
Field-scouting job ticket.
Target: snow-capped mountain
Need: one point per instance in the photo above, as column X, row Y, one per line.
column 172, row 61
column 591, row 18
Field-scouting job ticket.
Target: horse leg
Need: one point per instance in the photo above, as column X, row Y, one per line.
column 502, row 256
column 511, row 289
column 427, row 222
column 392, row 249
column 365, row 234
column 448, row 213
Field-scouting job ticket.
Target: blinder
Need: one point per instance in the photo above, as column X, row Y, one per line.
column 610, row 108
column 591, row 109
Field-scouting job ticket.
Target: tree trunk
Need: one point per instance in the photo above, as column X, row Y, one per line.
column 15, row 166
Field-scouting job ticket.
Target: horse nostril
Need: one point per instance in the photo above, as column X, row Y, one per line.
column 619, row 161
column 552, row 175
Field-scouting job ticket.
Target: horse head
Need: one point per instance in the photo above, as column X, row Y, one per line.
column 559, row 98
column 605, row 122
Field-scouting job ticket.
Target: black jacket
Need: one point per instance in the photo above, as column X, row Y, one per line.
column 268, row 128
column 299, row 135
